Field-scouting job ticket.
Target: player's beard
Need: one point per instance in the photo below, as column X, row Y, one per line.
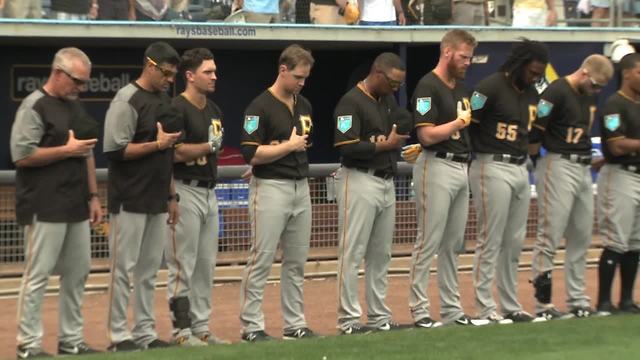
column 456, row 72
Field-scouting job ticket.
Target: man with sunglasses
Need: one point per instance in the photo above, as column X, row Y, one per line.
column 56, row 201
column 565, row 113
column 503, row 107
column 366, row 137
column 142, row 198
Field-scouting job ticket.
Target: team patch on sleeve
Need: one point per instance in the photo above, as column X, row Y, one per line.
column 251, row 123
column 344, row 123
column 612, row 122
column 544, row 108
column 423, row 105
column 477, row 100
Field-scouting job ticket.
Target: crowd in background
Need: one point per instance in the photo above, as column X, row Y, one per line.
column 520, row 13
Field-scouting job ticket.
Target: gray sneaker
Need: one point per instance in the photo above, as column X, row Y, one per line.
column 188, row 341
column 211, row 339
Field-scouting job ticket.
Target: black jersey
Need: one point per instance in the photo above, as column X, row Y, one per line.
column 361, row 121
column 198, row 124
column 564, row 118
column 139, row 185
column 621, row 119
column 267, row 121
column 502, row 116
column 59, row 191
column 434, row 103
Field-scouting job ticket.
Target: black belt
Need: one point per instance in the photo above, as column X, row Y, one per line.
column 578, row 159
column 461, row 158
column 382, row 174
column 510, row 159
column 200, row 183
column 632, row 168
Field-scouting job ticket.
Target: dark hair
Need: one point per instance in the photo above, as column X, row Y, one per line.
column 161, row 53
column 192, row 59
column 629, row 61
column 388, row 61
column 524, row 53
column 295, row 55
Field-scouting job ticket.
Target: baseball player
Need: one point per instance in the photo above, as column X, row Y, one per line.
column 142, row 199
column 563, row 122
column 619, row 190
column 503, row 107
column 441, row 115
column 56, row 202
column 192, row 247
column 274, row 140
column 368, row 142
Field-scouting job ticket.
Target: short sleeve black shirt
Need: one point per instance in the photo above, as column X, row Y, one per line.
column 502, row 116
column 268, row 120
column 621, row 119
column 434, row 103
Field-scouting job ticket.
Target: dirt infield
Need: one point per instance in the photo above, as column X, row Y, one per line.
column 320, row 303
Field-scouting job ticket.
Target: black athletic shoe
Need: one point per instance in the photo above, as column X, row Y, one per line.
column 255, row 336
column 552, row 313
column 302, row 333
column 157, row 344
column 629, row 307
column 355, row 329
column 79, row 349
column 582, row 311
column 392, row 325
column 519, row 316
column 29, row 353
column 605, row 309
column 425, row 323
column 125, row 345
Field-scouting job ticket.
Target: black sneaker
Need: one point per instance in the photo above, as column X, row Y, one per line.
column 29, row 353
column 302, row 333
column 157, row 344
column 392, row 325
column 605, row 309
column 425, row 323
column 124, row 345
column 255, row 336
column 552, row 313
column 629, row 307
column 519, row 316
column 355, row 329
column 466, row 320
column 582, row 311
column 79, row 349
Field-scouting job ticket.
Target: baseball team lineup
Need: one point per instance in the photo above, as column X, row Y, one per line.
column 474, row 141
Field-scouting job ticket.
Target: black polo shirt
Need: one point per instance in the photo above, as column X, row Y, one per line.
column 198, row 123
column 502, row 116
column 360, row 121
column 434, row 103
column 59, row 191
column 140, row 185
column 268, row 120
column 621, row 119
column 564, row 118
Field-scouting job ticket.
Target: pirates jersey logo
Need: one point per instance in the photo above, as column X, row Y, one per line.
column 477, row 100
column 344, row 123
column 423, row 105
column 306, row 124
column 612, row 122
column 251, row 123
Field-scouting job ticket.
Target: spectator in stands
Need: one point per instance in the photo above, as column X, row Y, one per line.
column 149, row 10
column 470, row 12
column 528, row 13
column 1, row 8
column 23, row 9
column 116, row 10
column 333, row 12
column 74, row 9
column 381, row 12
column 259, row 11
column 601, row 11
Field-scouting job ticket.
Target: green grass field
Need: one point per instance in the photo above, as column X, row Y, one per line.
column 611, row 338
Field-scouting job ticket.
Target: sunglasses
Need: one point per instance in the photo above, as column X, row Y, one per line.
column 595, row 84
column 393, row 83
column 165, row 72
column 77, row 81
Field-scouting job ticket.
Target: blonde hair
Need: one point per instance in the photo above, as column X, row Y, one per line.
column 457, row 37
column 598, row 65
